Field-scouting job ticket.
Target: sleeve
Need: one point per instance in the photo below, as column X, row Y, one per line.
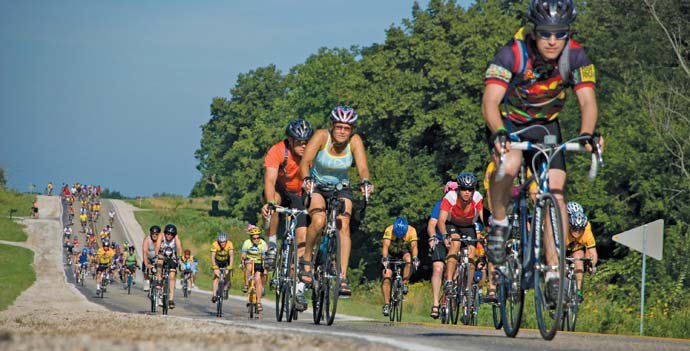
column 479, row 200
column 500, row 70
column 487, row 174
column 245, row 246
column 411, row 234
column 448, row 201
column 264, row 247
column 583, row 73
column 214, row 247
column 275, row 156
column 388, row 233
column 230, row 246
column 589, row 237
column 436, row 211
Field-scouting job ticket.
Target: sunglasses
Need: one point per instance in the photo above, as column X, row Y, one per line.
column 466, row 189
column 256, row 237
column 560, row 35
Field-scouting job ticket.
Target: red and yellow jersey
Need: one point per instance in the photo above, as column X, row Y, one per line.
column 585, row 241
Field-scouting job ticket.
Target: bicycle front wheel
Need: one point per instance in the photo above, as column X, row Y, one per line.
column 548, row 238
column 393, row 300
column 570, row 314
column 332, row 275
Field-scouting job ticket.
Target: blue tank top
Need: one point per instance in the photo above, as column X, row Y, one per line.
column 329, row 169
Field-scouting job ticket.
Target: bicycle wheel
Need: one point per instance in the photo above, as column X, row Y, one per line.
column 219, row 296
column 496, row 313
column 474, row 316
column 464, row 297
column 511, row 293
column 549, row 313
column 129, row 284
column 399, row 299
column 443, row 310
column 252, row 304
column 280, row 285
column 291, row 285
column 153, row 293
column 393, row 300
column 570, row 313
column 317, row 293
column 333, row 281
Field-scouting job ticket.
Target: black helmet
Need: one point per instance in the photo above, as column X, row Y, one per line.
column 170, row 229
column 299, row 129
column 551, row 13
column 155, row 229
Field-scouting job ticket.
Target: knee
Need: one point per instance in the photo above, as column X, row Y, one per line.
column 318, row 220
column 438, row 268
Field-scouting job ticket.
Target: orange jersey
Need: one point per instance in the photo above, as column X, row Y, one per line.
column 291, row 181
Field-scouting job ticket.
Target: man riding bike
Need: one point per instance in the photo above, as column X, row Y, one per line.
column 460, row 211
column 130, row 263
column 526, row 85
column 399, row 243
column 187, row 267
column 580, row 243
column 148, row 248
column 221, row 256
column 283, row 186
column 326, row 161
column 255, row 249
column 105, row 260
column 83, row 263
column 111, row 217
column 172, row 241
column 437, row 248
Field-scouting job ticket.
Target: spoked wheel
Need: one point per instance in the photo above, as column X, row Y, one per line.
column 153, row 294
column 443, row 314
column 393, row 301
column 474, row 316
column 510, row 292
column 464, row 297
column 219, row 298
column 570, row 310
column 165, row 297
column 317, row 294
column 332, row 275
column 496, row 313
column 399, row 304
column 129, row 284
column 548, row 304
column 288, row 302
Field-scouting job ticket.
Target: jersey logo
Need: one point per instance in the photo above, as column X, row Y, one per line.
column 587, row 74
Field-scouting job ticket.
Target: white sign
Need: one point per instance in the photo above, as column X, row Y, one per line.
column 652, row 245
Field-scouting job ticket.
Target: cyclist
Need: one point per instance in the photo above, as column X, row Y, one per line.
column 105, row 260
column 148, row 247
column 172, row 241
column 83, row 263
column 399, row 243
column 282, row 181
column 71, row 214
column 525, row 87
column 111, row 217
column 438, row 249
column 460, row 210
column 82, row 219
column 580, row 243
column 50, row 188
column 125, row 246
column 34, row 209
column 131, row 263
column 221, row 256
column 104, row 235
column 330, row 154
column 255, row 249
column 187, row 267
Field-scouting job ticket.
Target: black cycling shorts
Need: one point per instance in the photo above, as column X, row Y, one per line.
column 222, row 264
column 344, row 194
column 293, row 200
column 535, row 135
column 258, row 268
column 468, row 231
column 439, row 252
column 170, row 263
column 102, row 267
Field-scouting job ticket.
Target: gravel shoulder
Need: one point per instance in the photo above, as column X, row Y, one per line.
column 53, row 315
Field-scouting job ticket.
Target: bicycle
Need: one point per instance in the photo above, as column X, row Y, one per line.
column 221, row 293
column 572, row 299
column 130, row 280
column 153, row 288
column 186, row 274
column 396, row 295
column 82, row 274
column 105, row 278
column 252, row 297
column 526, row 264
column 168, row 256
column 465, row 283
column 285, row 275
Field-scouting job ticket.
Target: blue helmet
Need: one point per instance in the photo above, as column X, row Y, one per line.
column 467, row 180
column 400, row 227
column 84, row 251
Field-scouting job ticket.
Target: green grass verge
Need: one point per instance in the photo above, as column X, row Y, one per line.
column 16, row 274
column 9, row 199
column 11, row 230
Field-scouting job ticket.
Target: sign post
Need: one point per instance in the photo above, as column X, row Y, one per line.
column 636, row 239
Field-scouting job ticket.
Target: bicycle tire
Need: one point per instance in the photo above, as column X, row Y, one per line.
column 278, row 277
column 548, row 317
column 443, row 310
column 293, row 264
column 333, row 281
column 399, row 303
column 510, row 288
column 393, row 300
column 317, row 294
column 219, row 295
column 166, row 291
column 570, row 317
column 477, row 303
column 464, row 296
column 496, row 314
column 152, row 296
column 129, row 284
column 280, row 302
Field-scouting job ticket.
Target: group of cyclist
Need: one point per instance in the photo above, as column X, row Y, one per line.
column 526, row 86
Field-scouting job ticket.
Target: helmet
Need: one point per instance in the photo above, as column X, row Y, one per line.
column 106, row 243
column 552, row 13
column 578, row 221
column 84, row 251
column 222, row 237
column 450, row 186
column 170, row 229
column 467, row 180
column 573, row 207
column 253, row 230
column 299, row 129
column 344, row 114
column 131, row 248
column 187, row 252
column 126, row 243
column 400, row 227
column 155, row 229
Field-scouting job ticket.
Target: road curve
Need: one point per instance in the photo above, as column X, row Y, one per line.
column 410, row 336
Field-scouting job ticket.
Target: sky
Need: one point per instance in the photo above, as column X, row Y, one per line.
column 114, row 92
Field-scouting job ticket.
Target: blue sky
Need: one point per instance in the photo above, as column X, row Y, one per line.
column 114, row 93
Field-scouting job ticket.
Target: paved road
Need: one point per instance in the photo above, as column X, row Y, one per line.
column 404, row 336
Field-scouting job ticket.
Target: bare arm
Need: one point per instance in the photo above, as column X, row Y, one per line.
column 415, row 250
column 588, row 106
column 442, row 217
column 270, row 177
column 315, row 144
column 384, row 247
column 592, row 253
column 493, row 95
column 178, row 245
column 232, row 258
column 144, row 249
column 213, row 259
column 360, row 156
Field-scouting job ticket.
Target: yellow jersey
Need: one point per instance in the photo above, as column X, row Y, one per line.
column 82, row 217
column 222, row 254
column 586, row 240
column 400, row 246
column 105, row 257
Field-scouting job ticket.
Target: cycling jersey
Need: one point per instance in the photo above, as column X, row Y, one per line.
column 459, row 216
column 586, row 240
column 539, row 93
column 397, row 246
column 330, row 169
column 105, row 257
column 435, row 213
column 188, row 263
column 83, row 259
column 222, row 254
column 131, row 259
column 289, row 176
column 82, row 217
column 255, row 252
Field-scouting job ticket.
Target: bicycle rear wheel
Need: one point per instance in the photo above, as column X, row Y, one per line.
column 219, row 296
column 129, row 284
column 153, row 293
column 474, row 316
column 496, row 313
column 399, row 302
column 510, row 291
column 165, row 296
column 443, row 310
column 549, row 310
column 332, row 275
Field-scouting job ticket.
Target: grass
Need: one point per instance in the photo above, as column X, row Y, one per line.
column 9, row 199
column 599, row 313
column 16, row 274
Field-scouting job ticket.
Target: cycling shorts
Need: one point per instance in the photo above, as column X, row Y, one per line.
column 535, row 135
column 439, row 252
column 468, row 231
column 258, row 268
column 293, row 200
column 131, row 267
column 102, row 267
